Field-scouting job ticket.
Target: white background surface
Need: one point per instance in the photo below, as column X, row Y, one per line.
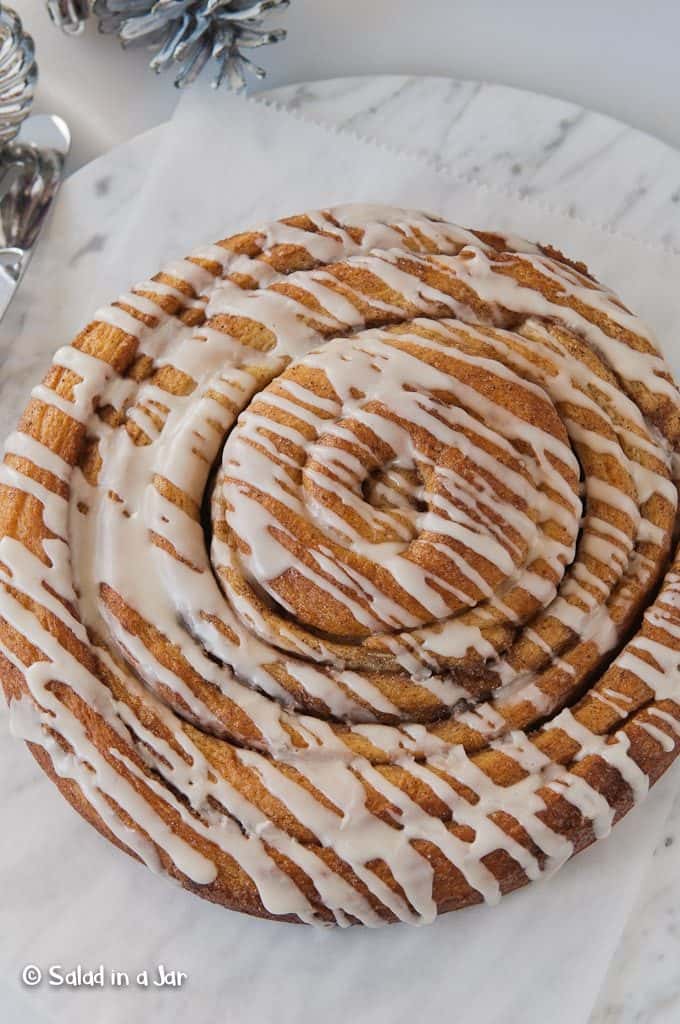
column 616, row 56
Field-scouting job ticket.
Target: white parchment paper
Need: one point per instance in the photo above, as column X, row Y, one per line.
column 225, row 165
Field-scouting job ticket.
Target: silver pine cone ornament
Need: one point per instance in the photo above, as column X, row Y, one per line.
column 184, row 34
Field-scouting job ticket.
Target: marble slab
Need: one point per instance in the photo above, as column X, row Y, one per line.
column 560, row 156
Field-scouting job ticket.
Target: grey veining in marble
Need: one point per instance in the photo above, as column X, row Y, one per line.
column 558, row 154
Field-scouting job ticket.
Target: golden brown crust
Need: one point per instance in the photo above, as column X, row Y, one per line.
column 401, row 732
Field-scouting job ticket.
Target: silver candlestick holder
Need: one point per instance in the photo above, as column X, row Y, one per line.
column 33, row 151
column 18, row 74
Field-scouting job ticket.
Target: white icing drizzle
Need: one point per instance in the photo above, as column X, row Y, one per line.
column 470, row 570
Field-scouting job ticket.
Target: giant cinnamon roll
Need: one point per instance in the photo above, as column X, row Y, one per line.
column 337, row 572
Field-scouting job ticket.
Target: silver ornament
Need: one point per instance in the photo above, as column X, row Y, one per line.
column 184, row 34
column 69, row 15
column 18, row 74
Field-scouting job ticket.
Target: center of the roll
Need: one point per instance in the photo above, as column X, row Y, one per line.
column 393, row 480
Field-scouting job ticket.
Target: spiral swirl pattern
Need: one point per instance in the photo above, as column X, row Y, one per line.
column 336, row 570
